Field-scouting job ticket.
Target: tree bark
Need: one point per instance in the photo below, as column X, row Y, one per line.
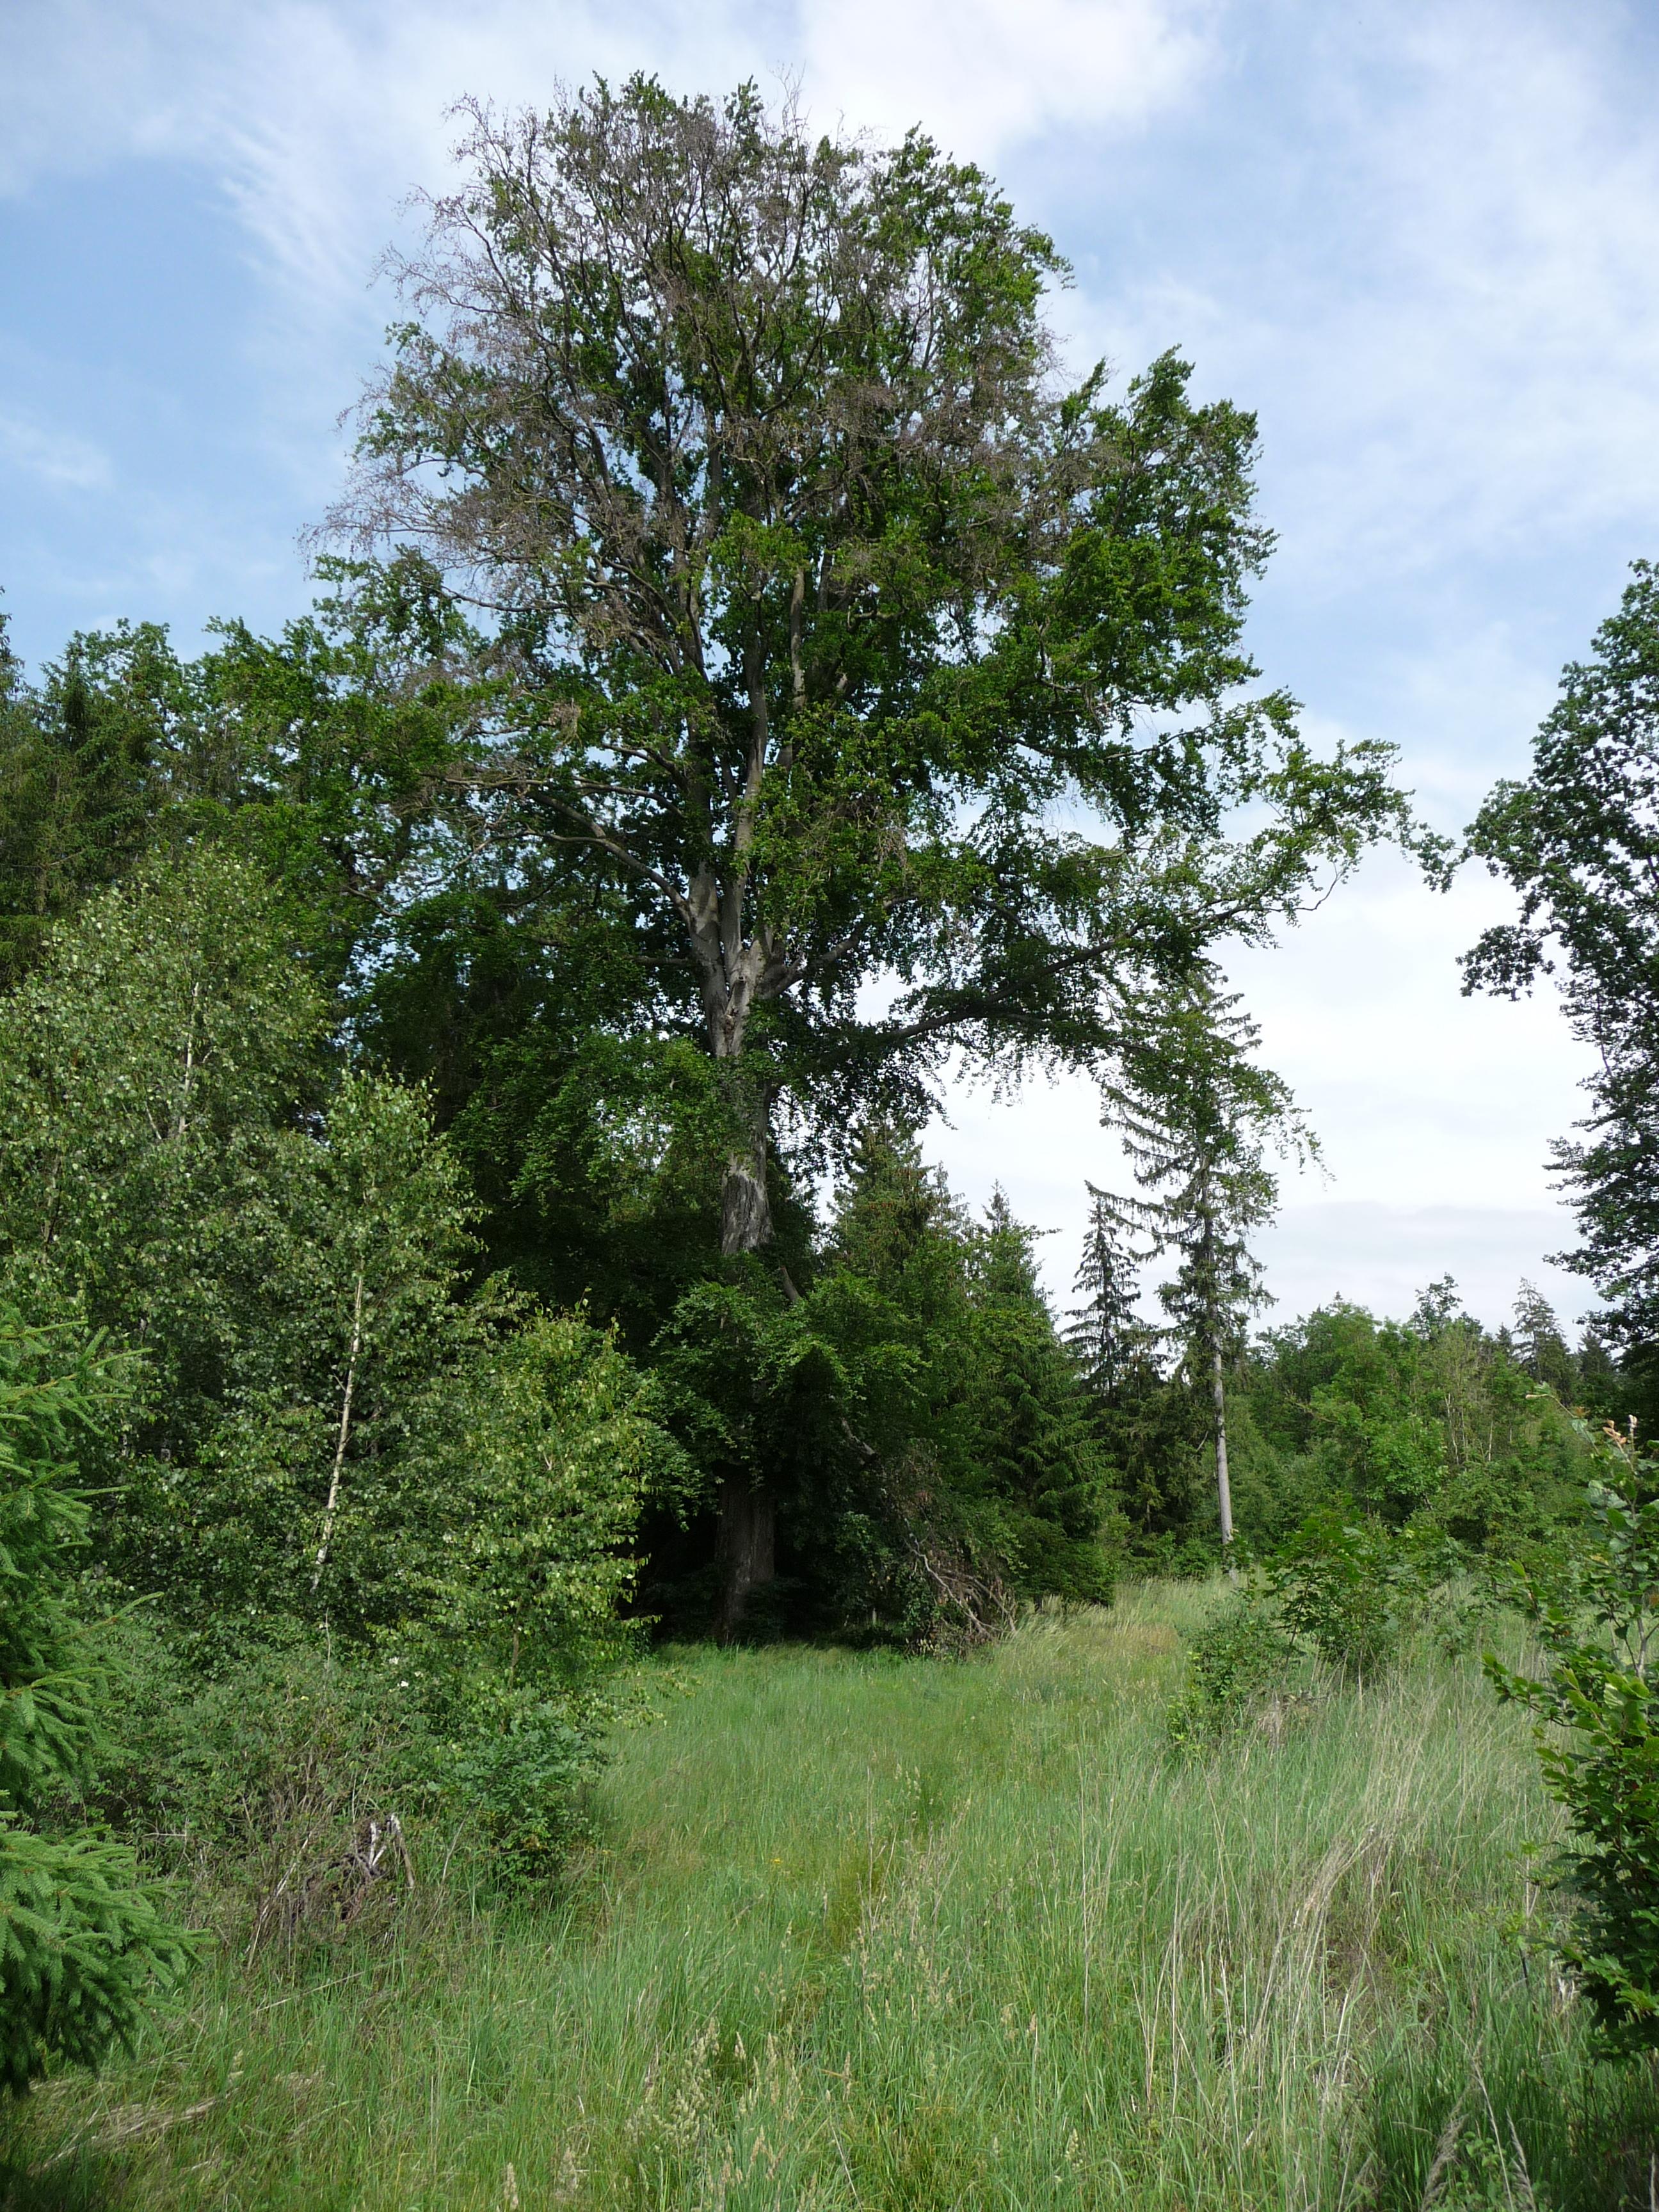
column 747, row 1549
column 736, row 968
column 1223, row 1488
column 745, row 1215
column 344, row 1437
column 749, row 1508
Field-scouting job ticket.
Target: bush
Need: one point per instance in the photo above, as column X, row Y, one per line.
column 304, row 1791
column 520, row 1767
column 255, row 1753
column 1600, row 1630
column 255, row 1779
column 80, row 1939
column 1236, row 1662
column 1352, row 1588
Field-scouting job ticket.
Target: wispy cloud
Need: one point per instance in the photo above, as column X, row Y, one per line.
column 986, row 75
column 315, row 118
column 52, row 457
column 1430, row 259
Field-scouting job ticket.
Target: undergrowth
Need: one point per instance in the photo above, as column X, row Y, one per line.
column 867, row 1932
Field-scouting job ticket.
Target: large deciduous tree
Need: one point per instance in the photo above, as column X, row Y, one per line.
column 857, row 644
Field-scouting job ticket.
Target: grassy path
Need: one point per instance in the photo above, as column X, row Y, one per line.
column 877, row 1933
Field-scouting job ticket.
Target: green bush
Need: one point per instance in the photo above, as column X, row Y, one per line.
column 1350, row 1589
column 1233, row 1665
column 496, row 1551
column 81, row 1938
column 262, row 1781
column 520, row 1765
column 1599, row 1627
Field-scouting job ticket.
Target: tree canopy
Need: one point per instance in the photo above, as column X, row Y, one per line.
column 852, row 641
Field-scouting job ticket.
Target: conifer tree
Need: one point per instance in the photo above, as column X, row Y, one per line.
column 88, row 760
column 1538, row 1345
column 1195, row 1112
column 81, row 1938
column 1106, row 1334
column 1033, row 1431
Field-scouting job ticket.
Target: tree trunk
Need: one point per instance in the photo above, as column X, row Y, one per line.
column 344, row 1438
column 1223, row 1489
column 748, row 1553
column 746, row 1216
column 749, row 1508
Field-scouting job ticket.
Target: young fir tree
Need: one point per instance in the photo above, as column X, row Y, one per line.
column 1193, row 1111
column 1106, row 1334
column 81, row 1938
column 1034, row 1434
column 1439, row 1307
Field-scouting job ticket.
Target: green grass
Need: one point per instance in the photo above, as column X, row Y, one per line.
column 867, row 1932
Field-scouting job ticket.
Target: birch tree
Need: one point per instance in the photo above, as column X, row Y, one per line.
column 149, row 1067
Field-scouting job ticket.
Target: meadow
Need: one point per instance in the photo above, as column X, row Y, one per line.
column 861, row 1931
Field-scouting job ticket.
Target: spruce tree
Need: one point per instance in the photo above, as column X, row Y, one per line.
column 1106, row 1334
column 81, row 1937
column 1538, row 1345
column 1195, row 1112
column 1033, row 1432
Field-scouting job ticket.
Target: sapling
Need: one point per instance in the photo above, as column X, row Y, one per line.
column 81, row 1938
column 1596, row 1703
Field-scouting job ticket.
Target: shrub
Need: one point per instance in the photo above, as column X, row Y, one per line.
column 1351, row 1588
column 1600, row 1632
column 495, row 1549
column 256, row 1778
column 1235, row 1663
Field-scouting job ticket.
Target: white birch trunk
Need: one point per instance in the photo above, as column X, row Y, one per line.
column 332, row 1506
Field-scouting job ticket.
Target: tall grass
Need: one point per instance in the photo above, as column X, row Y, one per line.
column 866, row 1932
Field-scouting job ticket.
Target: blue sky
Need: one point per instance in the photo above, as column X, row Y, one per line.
column 1420, row 239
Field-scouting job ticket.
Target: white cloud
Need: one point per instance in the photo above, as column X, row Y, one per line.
column 316, row 118
column 1434, row 274
column 1382, row 1257
column 53, row 457
column 985, row 74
